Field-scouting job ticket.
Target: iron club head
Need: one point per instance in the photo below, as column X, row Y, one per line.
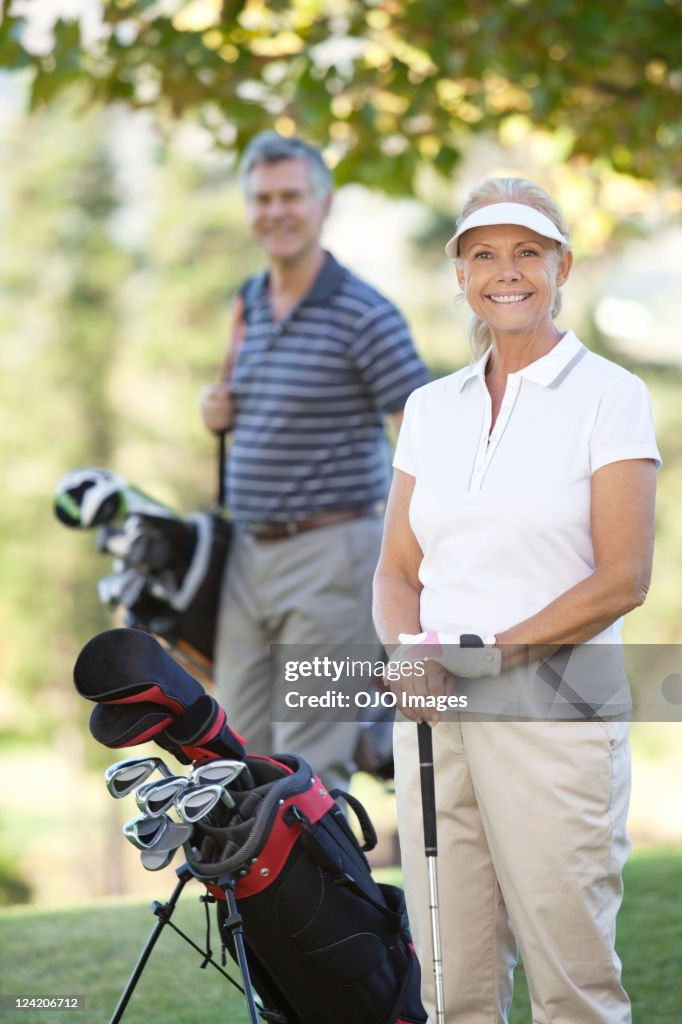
column 156, row 797
column 144, row 832
column 222, row 771
column 162, row 853
column 123, row 777
column 198, row 801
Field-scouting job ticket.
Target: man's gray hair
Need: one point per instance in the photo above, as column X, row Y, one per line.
column 271, row 148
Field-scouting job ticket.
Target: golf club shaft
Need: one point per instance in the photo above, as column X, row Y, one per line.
column 428, row 794
column 434, row 910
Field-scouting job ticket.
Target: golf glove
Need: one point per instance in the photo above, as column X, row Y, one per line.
column 467, row 662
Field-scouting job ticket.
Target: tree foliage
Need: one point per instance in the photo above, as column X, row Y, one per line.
column 386, row 85
column 105, row 345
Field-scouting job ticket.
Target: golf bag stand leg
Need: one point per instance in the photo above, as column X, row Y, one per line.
column 234, row 924
column 164, row 912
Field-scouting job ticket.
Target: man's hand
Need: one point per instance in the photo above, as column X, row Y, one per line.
column 217, row 407
column 435, row 682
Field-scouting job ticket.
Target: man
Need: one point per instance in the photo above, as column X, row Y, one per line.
column 323, row 360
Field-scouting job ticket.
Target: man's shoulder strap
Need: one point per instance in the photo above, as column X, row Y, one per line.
column 249, row 290
column 240, row 319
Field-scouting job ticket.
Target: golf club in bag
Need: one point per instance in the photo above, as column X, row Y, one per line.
column 315, row 937
column 167, row 569
column 141, row 693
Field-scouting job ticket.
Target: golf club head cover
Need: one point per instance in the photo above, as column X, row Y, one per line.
column 128, row 666
column 125, row 725
column 85, row 498
column 458, row 654
column 201, row 734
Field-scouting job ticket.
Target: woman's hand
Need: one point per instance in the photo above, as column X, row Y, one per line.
column 434, row 681
column 217, row 407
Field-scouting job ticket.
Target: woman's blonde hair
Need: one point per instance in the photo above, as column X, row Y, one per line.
column 510, row 190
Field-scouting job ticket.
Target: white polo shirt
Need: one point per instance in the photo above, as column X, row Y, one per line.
column 504, row 522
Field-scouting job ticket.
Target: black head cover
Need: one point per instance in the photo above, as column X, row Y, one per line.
column 126, row 725
column 125, row 666
column 202, row 734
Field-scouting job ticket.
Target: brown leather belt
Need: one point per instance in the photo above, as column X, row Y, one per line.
column 278, row 531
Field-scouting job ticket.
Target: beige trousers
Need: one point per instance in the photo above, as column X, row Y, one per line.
column 313, row 593
column 531, row 843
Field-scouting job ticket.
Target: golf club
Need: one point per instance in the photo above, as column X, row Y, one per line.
column 153, row 860
column 144, row 832
column 198, row 801
column 160, row 857
column 120, row 587
column 112, row 540
column 123, row 777
column 201, row 733
column 428, row 795
column 161, row 854
column 428, row 788
column 88, row 497
column 123, row 666
column 155, row 798
column 223, row 771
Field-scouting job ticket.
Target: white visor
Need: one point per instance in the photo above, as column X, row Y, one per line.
column 506, row 213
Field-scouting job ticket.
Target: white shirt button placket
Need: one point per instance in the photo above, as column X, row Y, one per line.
column 489, row 441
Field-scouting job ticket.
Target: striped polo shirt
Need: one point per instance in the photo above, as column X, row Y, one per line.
column 310, row 394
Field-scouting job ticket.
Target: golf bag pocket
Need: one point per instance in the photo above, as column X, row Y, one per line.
column 324, row 942
column 331, row 972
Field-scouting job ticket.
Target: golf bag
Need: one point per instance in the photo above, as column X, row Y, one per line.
column 324, row 941
column 167, row 568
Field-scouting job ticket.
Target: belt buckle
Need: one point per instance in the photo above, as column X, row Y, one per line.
column 291, row 526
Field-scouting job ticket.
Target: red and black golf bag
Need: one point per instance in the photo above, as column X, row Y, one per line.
column 324, row 941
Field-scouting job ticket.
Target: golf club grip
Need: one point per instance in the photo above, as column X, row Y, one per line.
column 426, row 769
column 428, row 788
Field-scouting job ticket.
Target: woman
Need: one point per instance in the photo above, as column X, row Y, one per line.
column 522, row 510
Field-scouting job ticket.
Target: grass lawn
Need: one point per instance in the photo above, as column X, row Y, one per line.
column 90, row 951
